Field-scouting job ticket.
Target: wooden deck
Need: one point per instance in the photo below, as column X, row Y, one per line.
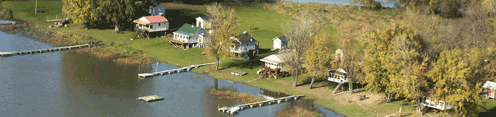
column 178, row 70
column 150, row 98
column 7, row 54
column 235, row 109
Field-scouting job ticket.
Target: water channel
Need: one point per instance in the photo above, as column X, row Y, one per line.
column 71, row 84
column 384, row 3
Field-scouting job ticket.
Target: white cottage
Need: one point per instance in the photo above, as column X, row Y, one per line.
column 489, row 88
column 156, row 25
column 280, row 43
column 245, row 43
column 429, row 101
column 205, row 23
column 190, row 35
column 338, row 76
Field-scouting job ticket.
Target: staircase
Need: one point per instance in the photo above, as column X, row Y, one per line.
column 137, row 32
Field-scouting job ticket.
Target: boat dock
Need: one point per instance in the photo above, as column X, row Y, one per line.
column 234, row 109
column 6, row 54
column 150, row 98
column 178, row 70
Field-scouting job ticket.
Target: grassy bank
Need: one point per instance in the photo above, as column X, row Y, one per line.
column 297, row 112
column 350, row 20
column 240, row 97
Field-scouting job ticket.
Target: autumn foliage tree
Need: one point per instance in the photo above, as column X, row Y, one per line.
column 225, row 24
column 458, row 76
column 317, row 56
column 82, row 11
column 392, row 57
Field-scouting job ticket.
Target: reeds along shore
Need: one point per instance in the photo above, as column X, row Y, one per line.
column 58, row 38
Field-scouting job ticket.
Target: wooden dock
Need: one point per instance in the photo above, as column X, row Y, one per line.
column 7, row 54
column 235, row 109
column 166, row 72
column 150, row 98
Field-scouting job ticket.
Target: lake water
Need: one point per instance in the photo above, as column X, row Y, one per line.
column 70, row 84
column 384, row 3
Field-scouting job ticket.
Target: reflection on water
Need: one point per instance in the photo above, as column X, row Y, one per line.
column 72, row 84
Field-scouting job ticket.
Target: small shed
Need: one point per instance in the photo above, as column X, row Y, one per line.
column 190, row 35
column 157, row 10
column 203, row 22
column 280, row 43
column 429, row 101
column 489, row 88
column 338, row 76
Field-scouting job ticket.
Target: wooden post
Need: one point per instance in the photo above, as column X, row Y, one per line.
column 36, row 8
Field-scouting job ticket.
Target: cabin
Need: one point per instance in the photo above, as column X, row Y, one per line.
column 244, row 43
column 489, row 88
column 157, row 10
column 189, row 35
column 429, row 101
column 338, row 76
column 152, row 25
column 279, row 43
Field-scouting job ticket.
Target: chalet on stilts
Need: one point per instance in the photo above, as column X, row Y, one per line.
column 489, row 88
column 189, row 36
column 151, row 26
column 273, row 66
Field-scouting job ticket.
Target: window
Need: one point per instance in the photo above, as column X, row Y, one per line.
column 159, row 24
column 151, row 26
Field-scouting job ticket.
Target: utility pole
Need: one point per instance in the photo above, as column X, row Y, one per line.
column 36, row 8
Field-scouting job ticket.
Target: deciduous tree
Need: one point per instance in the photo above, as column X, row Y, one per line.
column 317, row 56
column 299, row 32
column 458, row 76
column 225, row 24
column 82, row 11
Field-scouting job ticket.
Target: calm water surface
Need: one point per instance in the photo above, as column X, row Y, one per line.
column 71, row 84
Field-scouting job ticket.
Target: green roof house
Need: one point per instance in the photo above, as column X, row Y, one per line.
column 190, row 35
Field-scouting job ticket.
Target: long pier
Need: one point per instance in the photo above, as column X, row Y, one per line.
column 7, row 54
column 166, row 72
column 236, row 108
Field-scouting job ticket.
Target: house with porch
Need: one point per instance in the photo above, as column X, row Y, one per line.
column 279, row 43
column 189, row 35
column 430, row 102
column 151, row 26
column 489, row 88
column 244, row 44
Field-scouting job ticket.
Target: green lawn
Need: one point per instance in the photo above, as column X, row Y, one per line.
column 25, row 9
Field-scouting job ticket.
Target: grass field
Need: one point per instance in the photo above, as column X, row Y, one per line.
column 267, row 25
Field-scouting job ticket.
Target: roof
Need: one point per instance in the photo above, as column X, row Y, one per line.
column 275, row 58
column 186, row 28
column 489, row 85
column 283, row 38
column 151, row 19
column 244, row 38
